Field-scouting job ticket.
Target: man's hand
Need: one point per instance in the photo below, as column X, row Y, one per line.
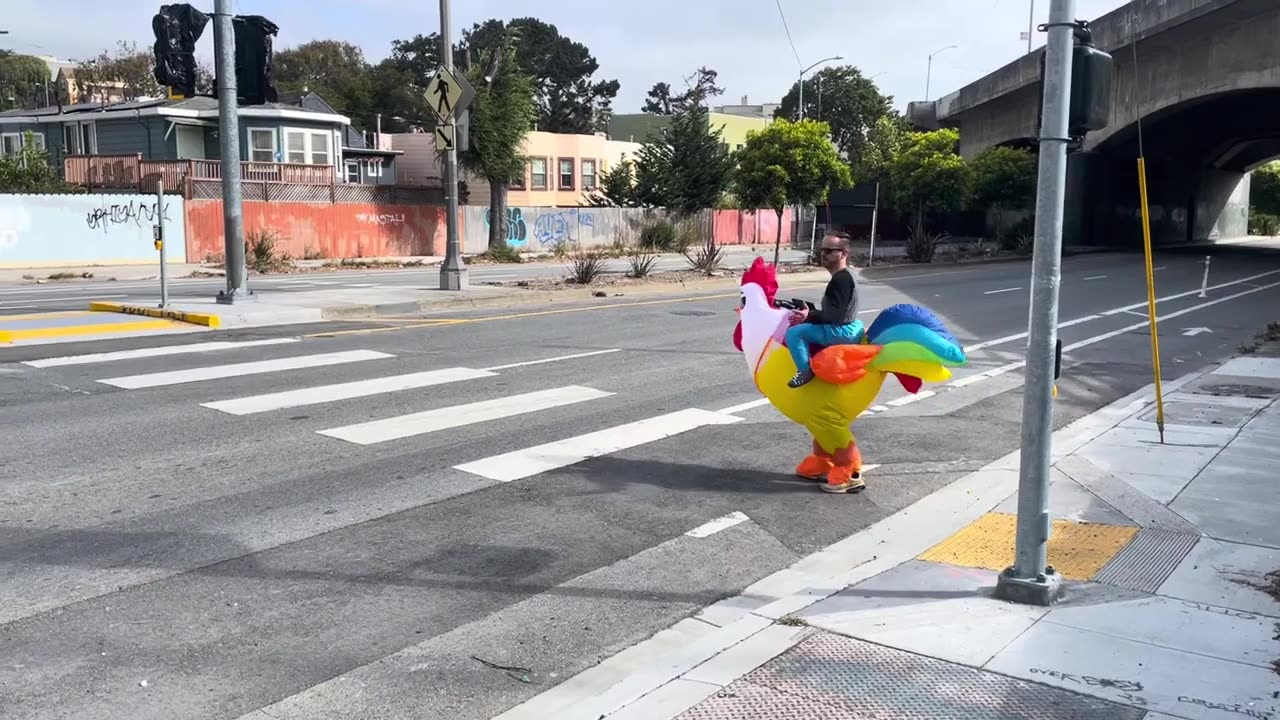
column 799, row 316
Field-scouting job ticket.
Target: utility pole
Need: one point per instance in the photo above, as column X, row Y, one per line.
column 224, row 58
column 453, row 274
column 1031, row 25
column 1031, row 580
column 928, row 77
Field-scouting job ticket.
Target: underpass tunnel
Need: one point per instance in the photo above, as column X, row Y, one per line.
column 1198, row 156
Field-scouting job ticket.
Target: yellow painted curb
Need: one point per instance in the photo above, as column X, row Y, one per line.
column 11, row 336
column 209, row 321
column 1077, row 550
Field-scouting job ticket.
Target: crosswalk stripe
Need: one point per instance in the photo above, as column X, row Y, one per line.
column 214, row 372
column 403, row 426
column 525, row 463
column 344, row 391
column 154, row 352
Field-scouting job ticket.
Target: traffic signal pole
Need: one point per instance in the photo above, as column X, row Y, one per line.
column 224, row 56
column 453, row 274
column 1031, row 580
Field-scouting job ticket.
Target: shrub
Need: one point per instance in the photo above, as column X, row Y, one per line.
column 262, row 253
column 313, row 253
column 503, row 253
column 660, row 236
column 1011, row 240
column 640, row 263
column 1263, row 224
column 687, row 235
column 585, row 266
column 1026, row 245
column 921, row 247
column 708, row 259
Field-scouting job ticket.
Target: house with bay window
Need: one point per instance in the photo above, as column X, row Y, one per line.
column 299, row 139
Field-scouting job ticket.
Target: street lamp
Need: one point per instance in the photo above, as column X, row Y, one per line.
column 802, row 73
column 928, row 78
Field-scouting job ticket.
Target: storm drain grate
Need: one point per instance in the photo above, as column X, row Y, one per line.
column 1147, row 561
column 1250, row 391
column 833, row 677
column 1122, row 496
column 1202, row 414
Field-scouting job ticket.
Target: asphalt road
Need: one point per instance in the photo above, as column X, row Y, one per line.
column 164, row 559
column 20, row 298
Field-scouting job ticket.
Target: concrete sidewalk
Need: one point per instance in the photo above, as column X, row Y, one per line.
column 1172, row 607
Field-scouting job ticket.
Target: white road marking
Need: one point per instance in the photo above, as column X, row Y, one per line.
column 745, row 406
column 344, row 391
column 908, row 399
column 525, row 463
column 997, row 292
column 1135, row 312
column 721, row 523
column 155, row 352
column 1162, row 267
column 1096, row 277
column 575, row 356
column 32, row 302
column 16, row 307
column 177, row 377
column 1022, row 335
column 404, row 426
column 879, row 408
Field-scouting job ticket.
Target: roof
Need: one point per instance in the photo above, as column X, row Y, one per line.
column 192, row 108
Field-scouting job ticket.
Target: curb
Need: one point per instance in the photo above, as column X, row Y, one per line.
column 640, row 681
column 202, row 319
column 9, row 337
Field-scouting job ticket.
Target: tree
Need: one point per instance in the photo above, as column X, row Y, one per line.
column 29, row 171
column 1264, row 191
column 685, row 166
column 23, row 78
column 333, row 69
column 927, row 175
column 884, row 141
column 788, row 163
column 1004, row 179
column 129, row 71
column 844, row 99
column 701, row 87
column 568, row 99
column 502, row 114
column 617, row 186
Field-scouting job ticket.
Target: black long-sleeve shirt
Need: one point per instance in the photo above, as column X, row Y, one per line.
column 839, row 301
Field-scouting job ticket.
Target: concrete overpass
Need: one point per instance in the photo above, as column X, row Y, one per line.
column 1206, row 89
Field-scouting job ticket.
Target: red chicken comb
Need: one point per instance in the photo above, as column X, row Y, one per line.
column 764, row 275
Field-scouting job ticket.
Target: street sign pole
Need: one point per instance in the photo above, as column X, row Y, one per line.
column 453, row 273
column 1031, row 580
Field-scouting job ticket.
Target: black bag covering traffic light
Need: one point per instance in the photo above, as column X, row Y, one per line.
column 1092, row 72
column 255, row 82
column 177, row 28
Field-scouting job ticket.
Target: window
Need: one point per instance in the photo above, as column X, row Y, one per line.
column 79, row 139
column 262, row 145
column 538, row 173
column 518, row 182
column 37, row 139
column 88, row 139
column 312, row 147
column 10, row 143
column 566, row 173
column 375, row 168
column 588, row 174
column 353, row 171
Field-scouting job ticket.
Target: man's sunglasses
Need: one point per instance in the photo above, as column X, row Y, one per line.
column 832, row 250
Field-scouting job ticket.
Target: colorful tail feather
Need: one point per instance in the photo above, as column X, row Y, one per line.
column 906, row 340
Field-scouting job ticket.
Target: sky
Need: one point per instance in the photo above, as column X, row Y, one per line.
column 656, row 41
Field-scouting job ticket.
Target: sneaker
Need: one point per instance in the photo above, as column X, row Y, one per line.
column 802, row 378
column 844, row 480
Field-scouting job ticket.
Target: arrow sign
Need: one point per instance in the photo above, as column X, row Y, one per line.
column 1192, row 332
column 445, row 136
column 448, row 93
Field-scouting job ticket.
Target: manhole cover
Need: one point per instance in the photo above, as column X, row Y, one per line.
column 1253, row 391
column 693, row 313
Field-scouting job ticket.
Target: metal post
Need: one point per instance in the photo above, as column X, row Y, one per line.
column 1031, row 580
column 453, row 274
column 1031, row 25
column 928, row 78
column 224, row 57
column 801, row 116
column 164, row 269
column 1204, row 283
column 875, row 218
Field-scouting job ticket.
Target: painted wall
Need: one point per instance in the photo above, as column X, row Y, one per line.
column 540, row 229
column 332, row 231
column 636, row 127
column 54, row 230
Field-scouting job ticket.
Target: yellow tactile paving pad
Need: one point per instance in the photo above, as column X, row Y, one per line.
column 1077, row 550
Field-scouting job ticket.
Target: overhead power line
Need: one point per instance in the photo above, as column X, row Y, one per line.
column 783, row 15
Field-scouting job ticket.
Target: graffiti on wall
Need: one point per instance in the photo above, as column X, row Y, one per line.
column 135, row 212
column 517, row 231
column 381, row 218
column 556, row 227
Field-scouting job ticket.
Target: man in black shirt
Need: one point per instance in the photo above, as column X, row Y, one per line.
column 837, row 322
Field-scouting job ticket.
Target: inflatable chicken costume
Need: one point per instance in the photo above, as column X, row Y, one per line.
column 907, row 341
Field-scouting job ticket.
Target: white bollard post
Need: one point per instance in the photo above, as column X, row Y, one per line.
column 1204, row 284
